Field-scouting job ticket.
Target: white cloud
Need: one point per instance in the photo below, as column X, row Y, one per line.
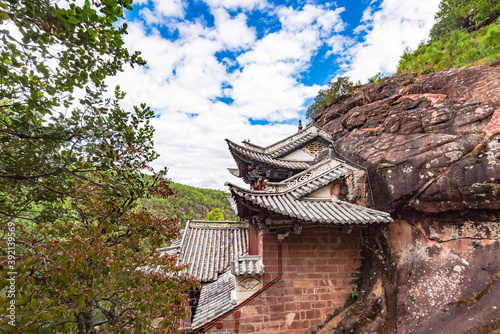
column 185, row 79
column 267, row 86
column 169, row 8
column 339, row 44
column 238, row 4
column 232, row 33
column 315, row 17
column 152, row 17
column 162, row 11
column 397, row 25
column 269, row 91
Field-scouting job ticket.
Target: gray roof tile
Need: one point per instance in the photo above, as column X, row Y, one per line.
column 215, row 299
column 290, row 143
column 209, row 248
column 248, row 265
column 173, row 249
column 288, row 197
column 272, row 154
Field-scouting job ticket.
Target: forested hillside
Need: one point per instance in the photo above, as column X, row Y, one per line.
column 191, row 203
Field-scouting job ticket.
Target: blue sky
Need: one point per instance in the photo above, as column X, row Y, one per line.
column 248, row 69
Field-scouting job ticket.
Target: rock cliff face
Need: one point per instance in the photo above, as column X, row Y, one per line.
column 431, row 146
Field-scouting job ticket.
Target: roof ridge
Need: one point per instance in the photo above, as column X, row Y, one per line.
column 246, row 154
column 217, row 221
column 317, row 165
column 219, row 227
column 312, row 129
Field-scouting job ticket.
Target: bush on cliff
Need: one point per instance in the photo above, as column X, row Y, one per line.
column 460, row 14
column 466, row 33
column 326, row 97
column 457, row 50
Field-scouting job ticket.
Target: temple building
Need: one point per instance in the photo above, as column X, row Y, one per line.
column 280, row 160
column 295, row 255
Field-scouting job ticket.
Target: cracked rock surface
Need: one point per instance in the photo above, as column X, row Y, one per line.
column 431, row 146
column 432, row 142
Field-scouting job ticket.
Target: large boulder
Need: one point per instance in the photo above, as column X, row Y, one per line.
column 431, row 146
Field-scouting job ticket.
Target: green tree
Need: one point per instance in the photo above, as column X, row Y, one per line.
column 457, row 49
column 190, row 203
column 377, row 78
column 70, row 172
column 336, row 90
column 463, row 14
column 215, row 215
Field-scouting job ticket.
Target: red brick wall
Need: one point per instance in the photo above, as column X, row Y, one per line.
column 320, row 269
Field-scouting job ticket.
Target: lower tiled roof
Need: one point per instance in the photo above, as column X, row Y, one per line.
column 248, row 265
column 215, row 299
column 215, row 252
column 173, row 249
column 209, row 248
column 316, row 210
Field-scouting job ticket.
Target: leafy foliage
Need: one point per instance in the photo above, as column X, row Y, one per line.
column 463, row 14
column 70, row 173
column 465, row 34
column 458, row 49
column 336, row 89
column 377, row 78
column 215, row 215
column 190, row 203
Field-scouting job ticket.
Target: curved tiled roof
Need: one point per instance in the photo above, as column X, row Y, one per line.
column 288, row 198
column 290, row 143
column 271, row 155
column 316, row 210
column 246, row 154
column 209, row 248
column 248, row 265
column 215, row 299
column 215, row 253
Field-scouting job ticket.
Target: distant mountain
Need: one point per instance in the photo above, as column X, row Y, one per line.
column 190, row 203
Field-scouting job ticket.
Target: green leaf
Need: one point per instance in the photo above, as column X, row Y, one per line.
column 78, row 171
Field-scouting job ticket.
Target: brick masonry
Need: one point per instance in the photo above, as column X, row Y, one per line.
column 320, row 269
